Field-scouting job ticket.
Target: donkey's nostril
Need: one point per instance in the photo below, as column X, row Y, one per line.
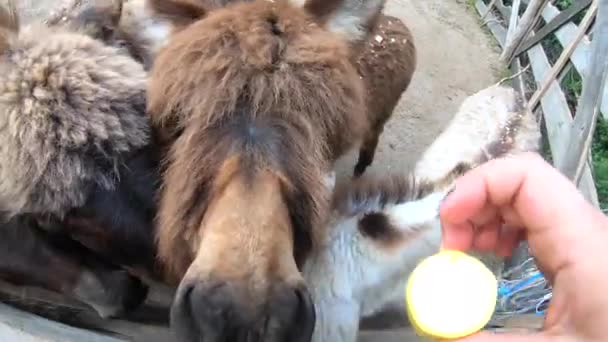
column 304, row 324
column 219, row 312
column 182, row 318
column 201, row 312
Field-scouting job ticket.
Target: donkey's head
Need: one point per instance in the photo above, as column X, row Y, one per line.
column 259, row 98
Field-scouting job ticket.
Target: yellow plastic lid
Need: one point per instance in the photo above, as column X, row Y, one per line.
column 450, row 295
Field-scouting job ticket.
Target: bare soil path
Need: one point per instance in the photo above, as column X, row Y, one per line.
column 456, row 59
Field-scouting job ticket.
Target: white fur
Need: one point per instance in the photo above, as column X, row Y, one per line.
column 329, row 180
column 353, row 276
column 480, row 119
column 416, row 212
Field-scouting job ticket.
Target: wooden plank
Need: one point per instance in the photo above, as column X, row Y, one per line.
column 564, row 57
column 557, row 22
column 581, row 133
column 499, row 32
column 580, row 56
column 558, row 119
column 513, row 20
column 17, row 325
column 528, row 19
column 518, row 82
column 490, row 6
column 505, row 11
column 565, row 34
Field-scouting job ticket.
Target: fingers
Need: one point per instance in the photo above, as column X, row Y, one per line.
column 524, row 192
column 458, row 236
column 486, row 237
column 508, row 240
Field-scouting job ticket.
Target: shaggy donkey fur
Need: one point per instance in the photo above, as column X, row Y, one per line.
column 72, row 132
column 260, row 98
column 386, row 61
column 72, row 108
column 382, row 228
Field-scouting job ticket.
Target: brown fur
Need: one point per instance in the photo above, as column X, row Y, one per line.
column 297, row 88
column 181, row 13
column 387, row 66
column 259, row 100
column 357, row 197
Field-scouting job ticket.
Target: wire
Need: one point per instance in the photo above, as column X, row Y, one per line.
column 528, row 292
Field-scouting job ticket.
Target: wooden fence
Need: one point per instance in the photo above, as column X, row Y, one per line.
column 519, row 32
column 569, row 134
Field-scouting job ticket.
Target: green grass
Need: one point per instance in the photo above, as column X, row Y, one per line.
column 599, row 151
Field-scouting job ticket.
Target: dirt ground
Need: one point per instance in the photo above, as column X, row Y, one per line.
column 456, row 58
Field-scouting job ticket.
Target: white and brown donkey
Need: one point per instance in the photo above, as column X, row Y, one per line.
column 381, row 229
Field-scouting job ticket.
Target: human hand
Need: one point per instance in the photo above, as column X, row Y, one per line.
column 496, row 204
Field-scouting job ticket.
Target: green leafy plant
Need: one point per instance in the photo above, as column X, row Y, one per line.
column 599, row 151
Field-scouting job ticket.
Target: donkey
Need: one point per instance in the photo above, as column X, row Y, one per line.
column 387, row 65
column 380, row 229
column 76, row 160
column 259, row 99
column 386, row 62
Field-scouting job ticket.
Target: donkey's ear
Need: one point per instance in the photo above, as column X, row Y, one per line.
column 179, row 12
column 354, row 19
column 9, row 24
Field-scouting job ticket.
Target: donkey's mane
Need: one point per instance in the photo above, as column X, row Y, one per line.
column 260, row 84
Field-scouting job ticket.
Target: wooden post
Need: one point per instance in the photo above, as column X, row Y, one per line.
column 490, row 6
column 581, row 132
column 531, row 15
column 564, row 57
column 513, row 21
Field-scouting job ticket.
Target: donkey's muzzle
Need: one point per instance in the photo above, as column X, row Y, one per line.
column 219, row 312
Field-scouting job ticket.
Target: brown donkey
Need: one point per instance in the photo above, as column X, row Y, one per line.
column 387, row 61
column 260, row 98
column 387, row 66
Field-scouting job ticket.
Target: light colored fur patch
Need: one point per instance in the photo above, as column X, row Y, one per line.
column 480, row 120
column 418, row 212
column 139, row 21
column 70, row 109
